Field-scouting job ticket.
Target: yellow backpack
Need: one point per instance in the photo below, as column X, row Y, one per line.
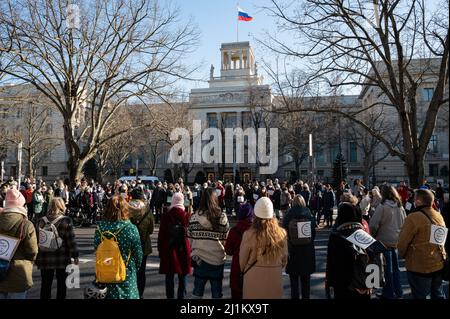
column 109, row 266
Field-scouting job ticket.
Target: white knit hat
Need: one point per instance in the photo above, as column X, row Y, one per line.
column 264, row 208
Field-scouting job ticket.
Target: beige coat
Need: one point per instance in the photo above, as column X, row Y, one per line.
column 263, row 280
column 414, row 243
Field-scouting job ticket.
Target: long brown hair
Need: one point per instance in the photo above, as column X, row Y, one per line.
column 269, row 238
column 389, row 192
column 209, row 205
column 116, row 209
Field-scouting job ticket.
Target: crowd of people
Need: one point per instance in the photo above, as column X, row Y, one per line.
column 275, row 228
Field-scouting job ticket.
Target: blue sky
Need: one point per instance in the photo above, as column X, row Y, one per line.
column 216, row 20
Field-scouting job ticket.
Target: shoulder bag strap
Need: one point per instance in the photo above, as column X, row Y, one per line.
column 252, row 264
column 429, row 218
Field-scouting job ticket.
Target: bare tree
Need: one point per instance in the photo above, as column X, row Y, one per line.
column 372, row 149
column 36, row 135
column 119, row 51
column 391, row 47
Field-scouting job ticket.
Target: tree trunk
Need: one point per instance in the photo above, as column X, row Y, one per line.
column 30, row 170
column 415, row 169
column 75, row 167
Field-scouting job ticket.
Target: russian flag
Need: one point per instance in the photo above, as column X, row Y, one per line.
column 243, row 16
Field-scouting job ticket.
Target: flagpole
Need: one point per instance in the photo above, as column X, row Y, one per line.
column 237, row 24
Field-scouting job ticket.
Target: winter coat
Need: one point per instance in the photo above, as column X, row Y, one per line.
column 19, row 278
column 172, row 260
column 60, row 258
column 329, row 200
column 232, row 248
column 142, row 217
column 221, row 194
column 276, row 198
column 208, row 243
column 263, row 280
column 403, row 192
column 302, row 259
column 414, row 245
column 386, row 223
column 307, row 196
column 341, row 257
column 38, row 202
column 130, row 245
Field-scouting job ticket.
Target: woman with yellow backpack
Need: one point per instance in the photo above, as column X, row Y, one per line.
column 118, row 251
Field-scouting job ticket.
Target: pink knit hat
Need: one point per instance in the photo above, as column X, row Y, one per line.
column 14, row 198
column 177, row 200
column 14, row 201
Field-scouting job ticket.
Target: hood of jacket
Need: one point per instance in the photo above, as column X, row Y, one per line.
column 390, row 203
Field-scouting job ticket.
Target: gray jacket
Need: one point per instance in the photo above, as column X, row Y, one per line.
column 386, row 223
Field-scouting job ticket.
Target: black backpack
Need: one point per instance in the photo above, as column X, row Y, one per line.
column 293, row 232
column 177, row 235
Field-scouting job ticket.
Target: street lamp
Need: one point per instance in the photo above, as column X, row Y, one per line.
column 311, row 166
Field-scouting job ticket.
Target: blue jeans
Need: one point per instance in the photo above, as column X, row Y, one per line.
column 424, row 285
column 170, row 286
column 393, row 287
column 199, row 287
column 13, row 295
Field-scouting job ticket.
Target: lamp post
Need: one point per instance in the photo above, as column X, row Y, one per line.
column 19, row 164
column 311, row 165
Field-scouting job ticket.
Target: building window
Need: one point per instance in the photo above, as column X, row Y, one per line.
column 433, row 145
column 212, row 119
column 48, row 129
column 319, row 154
column 44, row 170
column 4, row 113
column 334, row 152
column 353, row 149
column 12, row 171
column 433, row 170
column 428, row 94
column 303, row 172
column 320, row 172
column 247, row 120
column 230, row 120
column 19, row 113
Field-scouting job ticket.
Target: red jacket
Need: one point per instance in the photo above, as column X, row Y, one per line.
column 403, row 192
column 28, row 194
column 173, row 261
column 232, row 247
column 222, row 193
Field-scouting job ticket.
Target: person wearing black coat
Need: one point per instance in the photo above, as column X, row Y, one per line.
column 276, row 198
column 341, row 255
column 302, row 258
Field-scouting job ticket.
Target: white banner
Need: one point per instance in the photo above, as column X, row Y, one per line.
column 8, row 246
column 361, row 239
column 304, row 229
column 438, row 235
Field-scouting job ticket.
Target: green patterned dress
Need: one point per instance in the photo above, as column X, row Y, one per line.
column 129, row 241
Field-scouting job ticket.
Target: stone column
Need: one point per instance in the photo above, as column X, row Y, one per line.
column 241, row 61
column 239, row 119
